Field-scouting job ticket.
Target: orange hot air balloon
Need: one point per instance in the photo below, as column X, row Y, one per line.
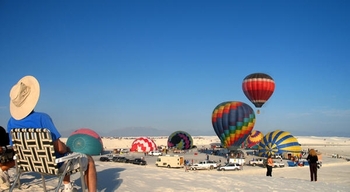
column 258, row 88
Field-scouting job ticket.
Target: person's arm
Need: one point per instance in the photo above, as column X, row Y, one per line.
column 60, row 147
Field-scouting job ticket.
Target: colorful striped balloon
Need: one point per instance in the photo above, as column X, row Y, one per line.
column 254, row 138
column 232, row 122
column 258, row 88
column 180, row 140
column 278, row 142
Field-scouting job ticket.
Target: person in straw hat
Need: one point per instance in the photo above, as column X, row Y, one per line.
column 24, row 96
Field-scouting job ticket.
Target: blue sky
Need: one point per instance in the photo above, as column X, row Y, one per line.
column 109, row 65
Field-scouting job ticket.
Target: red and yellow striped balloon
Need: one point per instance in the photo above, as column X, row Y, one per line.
column 254, row 138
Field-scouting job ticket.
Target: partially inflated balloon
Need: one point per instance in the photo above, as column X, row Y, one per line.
column 254, row 138
column 84, row 143
column 180, row 140
column 278, row 142
column 143, row 144
column 232, row 122
column 87, row 131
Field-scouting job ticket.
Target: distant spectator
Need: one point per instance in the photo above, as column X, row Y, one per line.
column 312, row 159
column 269, row 166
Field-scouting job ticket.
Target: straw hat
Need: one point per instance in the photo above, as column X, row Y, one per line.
column 23, row 97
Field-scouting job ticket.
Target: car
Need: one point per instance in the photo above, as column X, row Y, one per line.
column 107, row 158
column 278, row 164
column 259, row 161
column 230, row 167
column 139, row 161
column 104, row 159
column 155, row 153
column 206, row 164
column 130, row 161
column 120, row 159
column 277, row 156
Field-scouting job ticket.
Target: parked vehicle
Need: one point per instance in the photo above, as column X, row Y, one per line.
column 258, row 161
column 155, row 153
column 120, row 159
column 278, row 164
column 277, row 156
column 207, row 164
column 174, row 161
column 230, row 167
column 139, row 161
column 108, row 157
column 240, row 161
column 104, row 159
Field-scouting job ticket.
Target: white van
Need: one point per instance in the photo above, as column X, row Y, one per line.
column 173, row 161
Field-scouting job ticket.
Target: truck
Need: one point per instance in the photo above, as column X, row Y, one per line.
column 170, row 161
column 240, row 161
column 206, row 164
column 278, row 164
column 258, row 161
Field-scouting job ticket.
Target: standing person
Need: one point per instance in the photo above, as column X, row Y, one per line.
column 312, row 159
column 186, row 165
column 4, row 167
column 23, row 99
column 269, row 166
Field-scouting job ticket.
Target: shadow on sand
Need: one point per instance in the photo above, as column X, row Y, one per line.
column 108, row 179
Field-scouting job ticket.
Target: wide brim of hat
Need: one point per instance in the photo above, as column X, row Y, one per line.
column 30, row 102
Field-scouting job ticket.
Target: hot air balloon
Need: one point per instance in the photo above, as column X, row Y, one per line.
column 254, row 138
column 143, row 144
column 88, row 131
column 85, row 141
column 258, row 88
column 232, row 122
column 180, row 140
column 278, row 142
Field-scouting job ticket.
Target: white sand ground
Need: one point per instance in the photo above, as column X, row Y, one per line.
column 112, row 176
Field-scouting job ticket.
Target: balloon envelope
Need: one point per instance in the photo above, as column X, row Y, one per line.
column 180, row 140
column 87, row 131
column 143, row 144
column 232, row 122
column 278, row 142
column 254, row 138
column 258, row 88
column 84, row 143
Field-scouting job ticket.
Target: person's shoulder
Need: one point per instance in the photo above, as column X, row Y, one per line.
column 41, row 114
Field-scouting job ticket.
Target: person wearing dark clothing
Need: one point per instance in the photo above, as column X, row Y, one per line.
column 269, row 166
column 6, row 154
column 312, row 159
